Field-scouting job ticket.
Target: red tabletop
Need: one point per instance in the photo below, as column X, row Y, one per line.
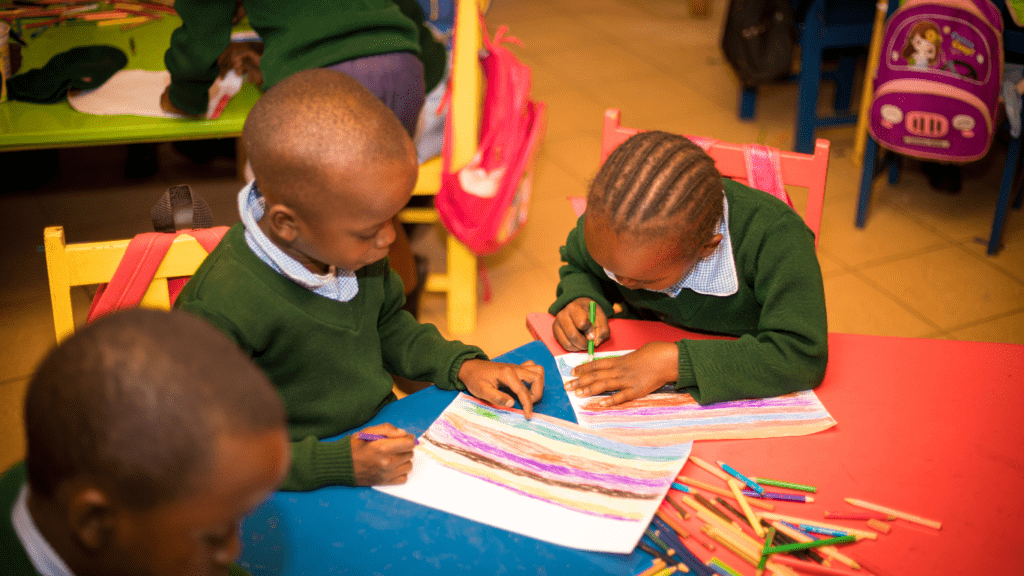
column 930, row 427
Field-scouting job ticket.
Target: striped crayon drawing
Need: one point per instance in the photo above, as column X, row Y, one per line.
column 667, row 417
column 545, row 478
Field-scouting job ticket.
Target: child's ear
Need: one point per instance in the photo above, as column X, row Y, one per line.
column 91, row 518
column 710, row 246
column 283, row 222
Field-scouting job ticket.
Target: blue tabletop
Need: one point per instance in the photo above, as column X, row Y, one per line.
column 345, row 530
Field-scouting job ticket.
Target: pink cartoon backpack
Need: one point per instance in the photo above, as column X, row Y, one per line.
column 938, row 80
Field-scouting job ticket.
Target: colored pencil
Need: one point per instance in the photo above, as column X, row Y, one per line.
column 783, row 548
column 879, row 525
column 858, row 516
column 779, row 496
column 676, row 527
column 656, row 566
column 829, row 551
column 724, row 538
column 680, row 487
column 794, row 520
column 738, row 491
column 781, row 484
column 904, row 515
column 823, row 531
column 767, row 544
column 811, row 567
column 666, row 571
column 593, row 318
column 722, row 492
column 709, row 517
column 682, row 511
column 371, row 437
column 739, row 476
column 725, row 477
column 653, row 551
column 722, row 568
column 707, row 504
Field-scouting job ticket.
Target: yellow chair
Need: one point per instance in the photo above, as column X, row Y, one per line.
column 89, row 263
column 459, row 281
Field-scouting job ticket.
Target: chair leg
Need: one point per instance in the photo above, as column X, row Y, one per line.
column 748, row 102
column 1009, row 171
column 894, row 162
column 867, row 178
column 844, row 84
column 810, row 78
column 462, row 278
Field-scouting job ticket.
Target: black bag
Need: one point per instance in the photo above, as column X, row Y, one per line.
column 759, row 38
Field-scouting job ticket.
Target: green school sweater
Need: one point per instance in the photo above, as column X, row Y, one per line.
column 778, row 313
column 297, row 35
column 12, row 554
column 331, row 361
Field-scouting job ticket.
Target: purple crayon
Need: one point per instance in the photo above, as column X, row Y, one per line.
column 779, row 496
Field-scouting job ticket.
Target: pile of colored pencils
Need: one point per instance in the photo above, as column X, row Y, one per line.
column 39, row 15
column 781, row 544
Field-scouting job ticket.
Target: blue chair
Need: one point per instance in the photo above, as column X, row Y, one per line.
column 827, row 25
column 1013, row 43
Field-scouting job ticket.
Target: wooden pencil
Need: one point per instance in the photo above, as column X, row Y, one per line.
column 860, row 534
column 723, row 492
column 829, row 551
column 710, row 468
column 879, row 525
column 657, row 566
column 904, row 515
column 737, row 489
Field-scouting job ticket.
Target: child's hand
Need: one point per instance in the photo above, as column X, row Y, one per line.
column 166, row 104
column 388, row 461
column 572, row 326
column 634, row 375
column 244, row 59
column 484, row 380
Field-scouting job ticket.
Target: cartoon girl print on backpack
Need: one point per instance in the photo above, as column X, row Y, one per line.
column 924, row 45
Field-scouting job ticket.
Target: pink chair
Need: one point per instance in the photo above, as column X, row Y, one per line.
column 808, row 171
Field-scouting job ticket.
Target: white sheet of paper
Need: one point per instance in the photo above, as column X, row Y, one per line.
column 482, row 488
column 135, row 92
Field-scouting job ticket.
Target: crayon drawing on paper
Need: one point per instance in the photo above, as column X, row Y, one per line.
column 668, row 417
column 544, row 477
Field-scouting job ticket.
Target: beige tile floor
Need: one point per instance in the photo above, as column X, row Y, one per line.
column 915, row 270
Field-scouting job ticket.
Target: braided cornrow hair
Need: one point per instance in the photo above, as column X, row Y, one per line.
column 654, row 178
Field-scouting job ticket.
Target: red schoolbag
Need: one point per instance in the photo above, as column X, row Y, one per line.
column 485, row 203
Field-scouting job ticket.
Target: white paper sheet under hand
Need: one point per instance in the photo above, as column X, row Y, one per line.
column 134, row 92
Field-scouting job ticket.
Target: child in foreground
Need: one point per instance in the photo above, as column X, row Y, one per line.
column 150, row 436
column 667, row 238
column 302, row 284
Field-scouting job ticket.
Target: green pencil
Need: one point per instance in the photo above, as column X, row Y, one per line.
column 593, row 318
column 790, row 485
column 783, row 548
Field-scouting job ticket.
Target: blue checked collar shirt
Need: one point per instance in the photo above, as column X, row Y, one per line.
column 43, row 557
column 340, row 285
column 714, row 275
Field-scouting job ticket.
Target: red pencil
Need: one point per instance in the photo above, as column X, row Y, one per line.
column 858, row 516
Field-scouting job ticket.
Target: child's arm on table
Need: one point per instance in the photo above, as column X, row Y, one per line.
column 204, row 35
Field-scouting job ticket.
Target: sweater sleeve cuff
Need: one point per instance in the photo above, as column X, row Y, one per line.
column 316, row 464
column 687, row 378
column 471, row 353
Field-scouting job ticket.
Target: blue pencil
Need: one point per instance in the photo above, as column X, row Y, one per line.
column 680, row 487
column 736, row 474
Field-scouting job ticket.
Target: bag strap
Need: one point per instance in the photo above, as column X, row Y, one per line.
column 138, row 267
column 764, row 171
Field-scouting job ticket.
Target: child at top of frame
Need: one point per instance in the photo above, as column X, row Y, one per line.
column 302, row 283
column 667, row 238
column 150, row 436
column 924, row 45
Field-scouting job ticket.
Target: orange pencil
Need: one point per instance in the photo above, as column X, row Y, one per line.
column 672, row 523
column 879, row 525
column 656, row 567
column 737, row 489
column 764, row 505
column 904, row 515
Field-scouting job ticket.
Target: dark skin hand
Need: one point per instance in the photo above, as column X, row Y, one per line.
column 242, row 57
column 572, row 326
column 485, row 380
column 388, row 461
column 633, row 375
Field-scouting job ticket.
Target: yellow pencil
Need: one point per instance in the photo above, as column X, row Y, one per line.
column 904, row 515
column 724, row 538
column 737, row 489
column 123, row 21
column 656, row 567
column 713, row 469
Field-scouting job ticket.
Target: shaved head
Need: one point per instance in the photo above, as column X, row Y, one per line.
column 136, row 402
column 314, row 127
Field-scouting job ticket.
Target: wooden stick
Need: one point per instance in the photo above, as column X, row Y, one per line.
column 879, row 525
column 904, row 515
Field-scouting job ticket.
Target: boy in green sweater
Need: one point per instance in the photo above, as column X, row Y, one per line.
column 150, row 436
column 667, row 238
column 303, row 285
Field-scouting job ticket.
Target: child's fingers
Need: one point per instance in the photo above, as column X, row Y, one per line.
column 566, row 332
column 386, row 429
column 533, row 373
column 624, row 395
column 601, row 329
